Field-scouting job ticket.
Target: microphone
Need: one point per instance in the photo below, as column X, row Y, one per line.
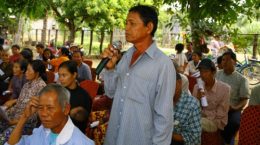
column 116, row 45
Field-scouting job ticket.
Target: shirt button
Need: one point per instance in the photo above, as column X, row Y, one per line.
column 120, row 113
column 122, row 100
column 124, row 87
column 127, row 74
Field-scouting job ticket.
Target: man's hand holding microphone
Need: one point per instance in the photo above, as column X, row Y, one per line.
column 110, row 56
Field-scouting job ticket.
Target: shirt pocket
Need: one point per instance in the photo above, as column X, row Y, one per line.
column 139, row 89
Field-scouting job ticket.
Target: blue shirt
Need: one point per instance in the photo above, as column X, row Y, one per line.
column 69, row 135
column 143, row 93
column 187, row 115
column 84, row 72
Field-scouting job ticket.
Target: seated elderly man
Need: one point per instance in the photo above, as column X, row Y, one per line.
column 53, row 109
column 186, row 126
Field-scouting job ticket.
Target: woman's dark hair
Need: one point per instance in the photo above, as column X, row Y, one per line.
column 45, row 50
column 23, row 65
column 70, row 65
column 198, row 53
column 65, row 51
column 147, row 14
column 38, row 66
column 27, row 54
column 179, row 47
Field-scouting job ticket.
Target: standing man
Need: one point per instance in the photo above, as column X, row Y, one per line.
column 142, row 85
column 239, row 94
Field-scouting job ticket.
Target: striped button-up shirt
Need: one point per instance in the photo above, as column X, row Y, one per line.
column 143, row 99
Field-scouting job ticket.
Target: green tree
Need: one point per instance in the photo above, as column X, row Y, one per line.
column 213, row 12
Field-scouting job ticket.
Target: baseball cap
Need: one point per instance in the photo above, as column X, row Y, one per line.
column 207, row 64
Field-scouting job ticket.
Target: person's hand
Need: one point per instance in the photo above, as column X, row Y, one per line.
column 10, row 103
column 31, row 107
column 111, row 53
column 78, row 113
column 200, row 94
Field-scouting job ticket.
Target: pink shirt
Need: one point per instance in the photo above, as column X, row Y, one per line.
column 218, row 103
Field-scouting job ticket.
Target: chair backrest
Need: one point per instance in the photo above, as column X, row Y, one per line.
column 50, row 77
column 249, row 131
column 88, row 62
column 192, row 82
column 91, row 87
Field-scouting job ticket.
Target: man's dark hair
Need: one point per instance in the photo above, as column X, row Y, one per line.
column 179, row 47
column 219, row 59
column 40, row 46
column 231, row 54
column 147, row 14
column 78, row 51
column 198, row 53
column 16, row 46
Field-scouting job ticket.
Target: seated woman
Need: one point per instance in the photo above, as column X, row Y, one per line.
column 18, row 79
column 47, row 56
column 64, row 55
column 214, row 96
column 35, row 74
column 191, row 67
column 6, row 71
column 80, row 100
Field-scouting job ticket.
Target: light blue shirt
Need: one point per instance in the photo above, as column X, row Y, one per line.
column 69, row 135
column 84, row 72
column 143, row 99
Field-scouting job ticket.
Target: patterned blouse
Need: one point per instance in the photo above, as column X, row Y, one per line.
column 31, row 88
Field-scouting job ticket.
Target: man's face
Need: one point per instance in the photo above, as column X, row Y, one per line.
column 77, row 57
column 228, row 63
column 206, row 74
column 50, row 111
column 5, row 56
column 135, row 29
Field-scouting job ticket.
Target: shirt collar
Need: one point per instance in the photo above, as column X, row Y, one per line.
column 65, row 134
column 150, row 51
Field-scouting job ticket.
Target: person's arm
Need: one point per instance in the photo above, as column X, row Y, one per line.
column 243, row 94
column 8, row 104
column 110, row 74
column 163, row 106
column 177, row 137
column 222, row 109
column 30, row 109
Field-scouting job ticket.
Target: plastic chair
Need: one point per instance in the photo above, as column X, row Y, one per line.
column 249, row 131
column 50, row 77
column 91, row 87
column 88, row 62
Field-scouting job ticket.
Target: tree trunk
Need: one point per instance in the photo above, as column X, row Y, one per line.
column 90, row 42
column 19, row 31
column 255, row 44
column 72, row 34
column 194, row 6
column 44, row 28
column 101, row 41
column 111, row 36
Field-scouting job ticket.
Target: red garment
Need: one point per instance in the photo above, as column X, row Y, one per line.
column 249, row 131
column 14, row 58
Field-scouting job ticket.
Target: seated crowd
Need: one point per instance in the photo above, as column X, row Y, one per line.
column 206, row 111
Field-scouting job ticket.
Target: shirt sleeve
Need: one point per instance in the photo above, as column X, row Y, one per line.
column 255, row 97
column 192, row 131
column 110, row 81
column 163, row 106
column 244, row 88
column 23, row 141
